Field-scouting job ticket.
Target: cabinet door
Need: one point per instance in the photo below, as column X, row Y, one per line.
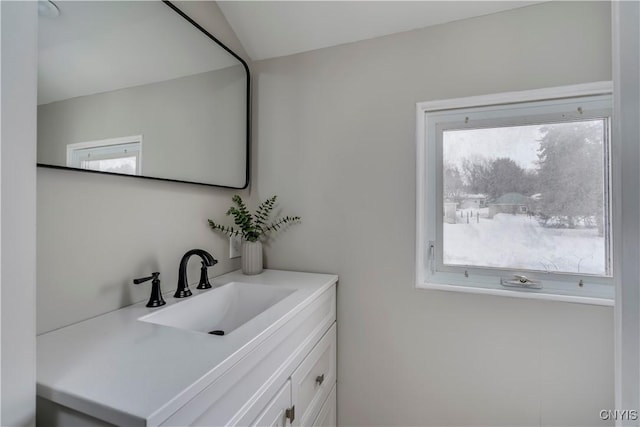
column 313, row 380
column 275, row 414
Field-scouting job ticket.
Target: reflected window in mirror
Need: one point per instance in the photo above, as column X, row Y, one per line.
column 117, row 155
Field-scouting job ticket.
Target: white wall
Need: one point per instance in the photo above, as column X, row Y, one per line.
column 334, row 136
column 17, row 212
column 96, row 233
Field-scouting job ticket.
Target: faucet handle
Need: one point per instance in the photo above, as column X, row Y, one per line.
column 153, row 276
column 155, row 300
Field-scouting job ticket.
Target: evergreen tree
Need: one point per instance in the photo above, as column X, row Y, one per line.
column 570, row 171
column 505, row 176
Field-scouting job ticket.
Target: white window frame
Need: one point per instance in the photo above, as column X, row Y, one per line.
column 555, row 287
column 135, row 141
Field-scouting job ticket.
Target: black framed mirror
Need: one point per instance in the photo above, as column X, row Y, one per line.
column 138, row 88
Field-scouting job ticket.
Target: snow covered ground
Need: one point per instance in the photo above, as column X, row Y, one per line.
column 520, row 242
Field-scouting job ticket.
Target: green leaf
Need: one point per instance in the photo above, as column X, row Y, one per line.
column 252, row 227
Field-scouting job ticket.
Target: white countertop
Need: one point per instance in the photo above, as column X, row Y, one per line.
column 130, row 372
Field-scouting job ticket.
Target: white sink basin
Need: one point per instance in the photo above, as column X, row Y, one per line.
column 221, row 309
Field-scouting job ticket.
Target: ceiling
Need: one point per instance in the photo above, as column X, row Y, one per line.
column 268, row 29
column 98, row 46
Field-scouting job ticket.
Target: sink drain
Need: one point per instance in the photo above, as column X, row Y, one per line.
column 216, row 332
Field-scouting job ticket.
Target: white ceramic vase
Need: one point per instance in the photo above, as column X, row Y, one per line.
column 251, row 257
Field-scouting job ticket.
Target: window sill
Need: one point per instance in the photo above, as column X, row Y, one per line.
column 516, row 293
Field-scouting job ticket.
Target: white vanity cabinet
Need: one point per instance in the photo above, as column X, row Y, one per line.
column 279, row 378
column 278, row 369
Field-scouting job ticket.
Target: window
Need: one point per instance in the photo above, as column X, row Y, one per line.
column 116, row 155
column 514, row 194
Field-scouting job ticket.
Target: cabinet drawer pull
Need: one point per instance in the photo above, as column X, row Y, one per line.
column 320, row 379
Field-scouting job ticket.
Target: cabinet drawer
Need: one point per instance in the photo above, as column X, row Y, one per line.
column 328, row 416
column 314, row 379
column 274, row 415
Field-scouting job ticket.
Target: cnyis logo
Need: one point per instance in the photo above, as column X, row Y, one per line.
column 619, row 415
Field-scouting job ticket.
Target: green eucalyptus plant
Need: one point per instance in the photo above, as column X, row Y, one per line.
column 252, row 227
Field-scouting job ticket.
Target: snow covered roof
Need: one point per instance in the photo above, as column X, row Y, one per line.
column 511, row 199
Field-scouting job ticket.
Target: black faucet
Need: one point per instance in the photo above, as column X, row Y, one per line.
column 183, row 286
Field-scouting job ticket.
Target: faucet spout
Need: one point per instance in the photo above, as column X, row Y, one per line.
column 183, row 290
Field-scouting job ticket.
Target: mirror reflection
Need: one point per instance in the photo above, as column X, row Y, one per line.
column 134, row 88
